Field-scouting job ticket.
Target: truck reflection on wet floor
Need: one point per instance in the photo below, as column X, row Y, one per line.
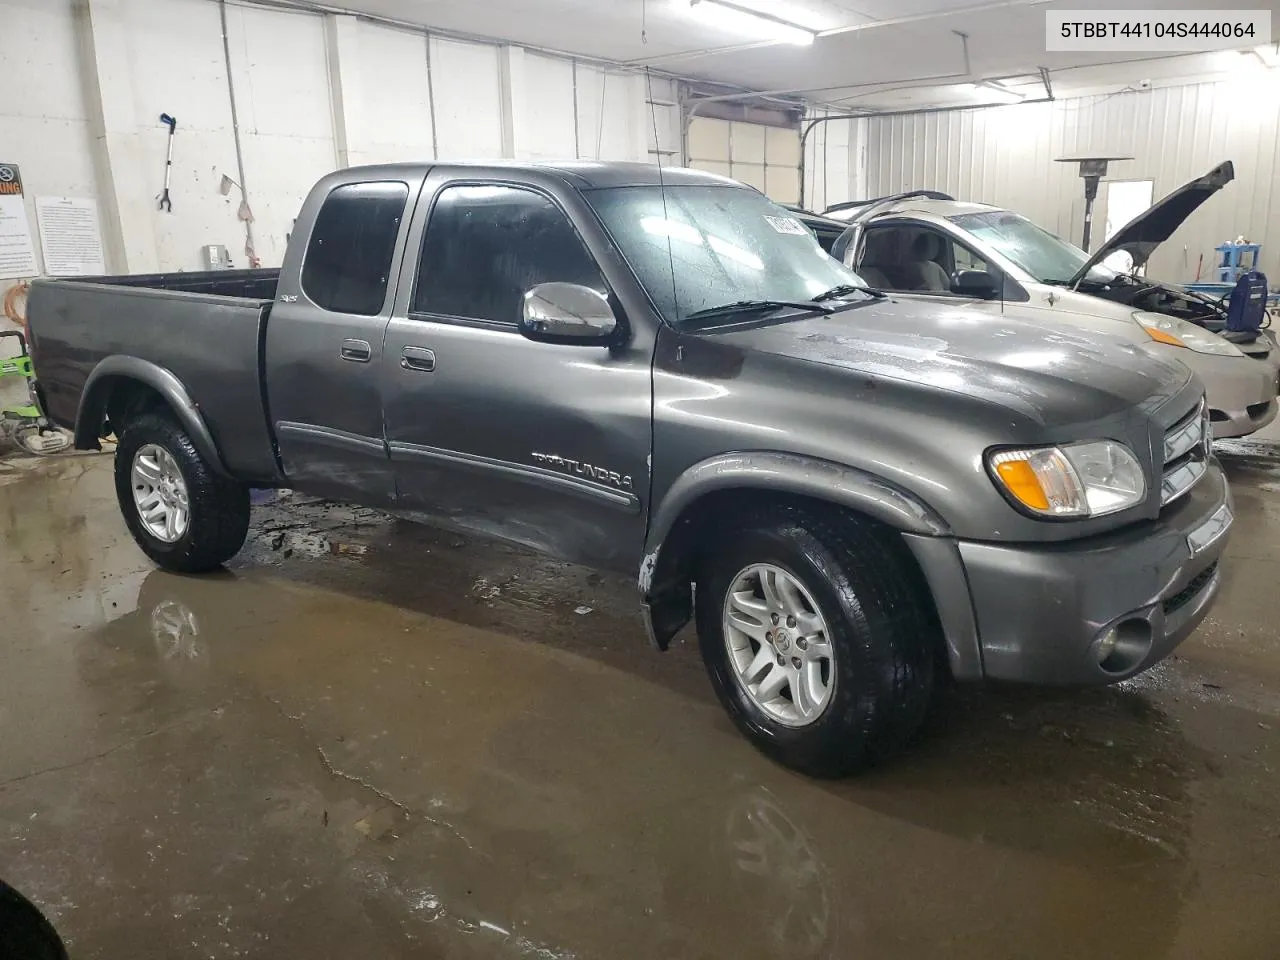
column 1031, row 818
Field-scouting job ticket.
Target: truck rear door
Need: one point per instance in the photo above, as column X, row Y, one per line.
column 543, row 444
column 324, row 338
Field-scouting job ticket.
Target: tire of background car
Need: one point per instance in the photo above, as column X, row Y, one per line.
column 25, row 934
column 217, row 508
column 879, row 621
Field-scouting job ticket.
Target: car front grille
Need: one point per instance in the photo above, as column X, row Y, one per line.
column 1186, row 454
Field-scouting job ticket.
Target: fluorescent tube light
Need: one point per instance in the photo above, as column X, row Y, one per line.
column 739, row 19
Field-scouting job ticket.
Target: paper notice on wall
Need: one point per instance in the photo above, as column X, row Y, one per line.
column 17, row 252
column 70, row 237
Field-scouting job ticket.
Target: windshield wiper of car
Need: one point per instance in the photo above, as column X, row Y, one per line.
column 836, row 293
column 756, row 306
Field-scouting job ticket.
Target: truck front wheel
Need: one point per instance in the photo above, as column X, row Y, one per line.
column 819, row 635
column 184, row 516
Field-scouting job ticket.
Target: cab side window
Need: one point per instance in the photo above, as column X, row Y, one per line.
column 348, row 259
column 488, row 245
column 965, row 259
column 915, row 259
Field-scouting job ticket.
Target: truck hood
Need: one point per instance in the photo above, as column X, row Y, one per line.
column 1141, row 235
column 1053, row 378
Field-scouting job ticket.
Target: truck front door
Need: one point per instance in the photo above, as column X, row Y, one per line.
column 541, row 444
column 324, row 340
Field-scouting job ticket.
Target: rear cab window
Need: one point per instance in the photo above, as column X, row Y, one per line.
column 348, row 258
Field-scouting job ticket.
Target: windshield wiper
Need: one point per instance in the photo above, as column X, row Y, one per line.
column 756, row 306
column 835, row 293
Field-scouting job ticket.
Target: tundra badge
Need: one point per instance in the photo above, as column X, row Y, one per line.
column 580, row 469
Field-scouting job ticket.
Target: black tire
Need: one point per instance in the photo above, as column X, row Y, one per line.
column 880, row 618
column 25, row 934
column 219, row 508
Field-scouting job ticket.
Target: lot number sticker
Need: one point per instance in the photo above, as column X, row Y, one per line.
column 788, row 226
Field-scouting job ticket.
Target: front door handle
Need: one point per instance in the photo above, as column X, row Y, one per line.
column 418, row 358
column 357, row 351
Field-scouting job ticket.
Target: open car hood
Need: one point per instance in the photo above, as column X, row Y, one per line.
column 1141, row 235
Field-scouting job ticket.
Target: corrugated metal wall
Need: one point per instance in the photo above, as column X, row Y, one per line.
column 1005, row 156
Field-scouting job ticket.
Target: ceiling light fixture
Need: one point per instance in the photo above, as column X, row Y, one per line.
column 740, row 19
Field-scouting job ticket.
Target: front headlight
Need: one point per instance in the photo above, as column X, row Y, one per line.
column 1180, row 333
column 1077, row 480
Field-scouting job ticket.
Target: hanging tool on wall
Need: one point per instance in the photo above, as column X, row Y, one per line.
column 165, row 203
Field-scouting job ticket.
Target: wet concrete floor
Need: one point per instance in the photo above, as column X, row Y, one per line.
column 370, row 739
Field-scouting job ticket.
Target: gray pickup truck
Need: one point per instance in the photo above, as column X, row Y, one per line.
column 662, row 373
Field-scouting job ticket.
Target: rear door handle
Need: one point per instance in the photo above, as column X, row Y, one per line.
column 357, row 351
column 418, row 358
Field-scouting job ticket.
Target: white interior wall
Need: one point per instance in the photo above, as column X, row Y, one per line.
column 85, row 89
column 467, row 90
column 286, row 118
column 178, row 69
column 1005, row 156
column 613, row 115
column 549, row 109
column 391, row 128
column 44, row 120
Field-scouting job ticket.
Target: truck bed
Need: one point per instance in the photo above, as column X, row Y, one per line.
column 245, row 284
column 207, row 329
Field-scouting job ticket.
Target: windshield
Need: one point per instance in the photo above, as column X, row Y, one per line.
column 1048, row 258
column 701, row 247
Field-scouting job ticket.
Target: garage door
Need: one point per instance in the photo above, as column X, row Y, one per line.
column 768, row 158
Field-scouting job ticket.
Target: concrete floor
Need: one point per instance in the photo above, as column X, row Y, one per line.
column 370, row 739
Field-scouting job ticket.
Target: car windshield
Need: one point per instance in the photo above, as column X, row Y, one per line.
column 1048, row 258
column 696, row 248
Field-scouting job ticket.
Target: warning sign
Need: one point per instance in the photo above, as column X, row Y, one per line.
column 10, row 180
column 17, row 253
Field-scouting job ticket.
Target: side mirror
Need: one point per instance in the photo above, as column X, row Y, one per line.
column 975, row 283
column 568, row 313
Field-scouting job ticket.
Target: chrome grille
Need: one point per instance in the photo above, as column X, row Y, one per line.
column 1186, row 454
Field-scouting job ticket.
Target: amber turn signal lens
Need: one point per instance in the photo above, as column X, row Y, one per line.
column 1021, row 481
column 1163, row 336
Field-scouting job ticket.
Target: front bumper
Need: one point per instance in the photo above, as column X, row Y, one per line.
column 1241, row 423
column 1037, row 613
column 1241, row 390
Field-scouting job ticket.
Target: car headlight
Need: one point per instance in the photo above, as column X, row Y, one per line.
column 1075, row 480
column 1180, row 333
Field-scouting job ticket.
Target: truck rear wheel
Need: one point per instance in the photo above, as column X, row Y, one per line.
column 184, row 516
column 819, row 635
